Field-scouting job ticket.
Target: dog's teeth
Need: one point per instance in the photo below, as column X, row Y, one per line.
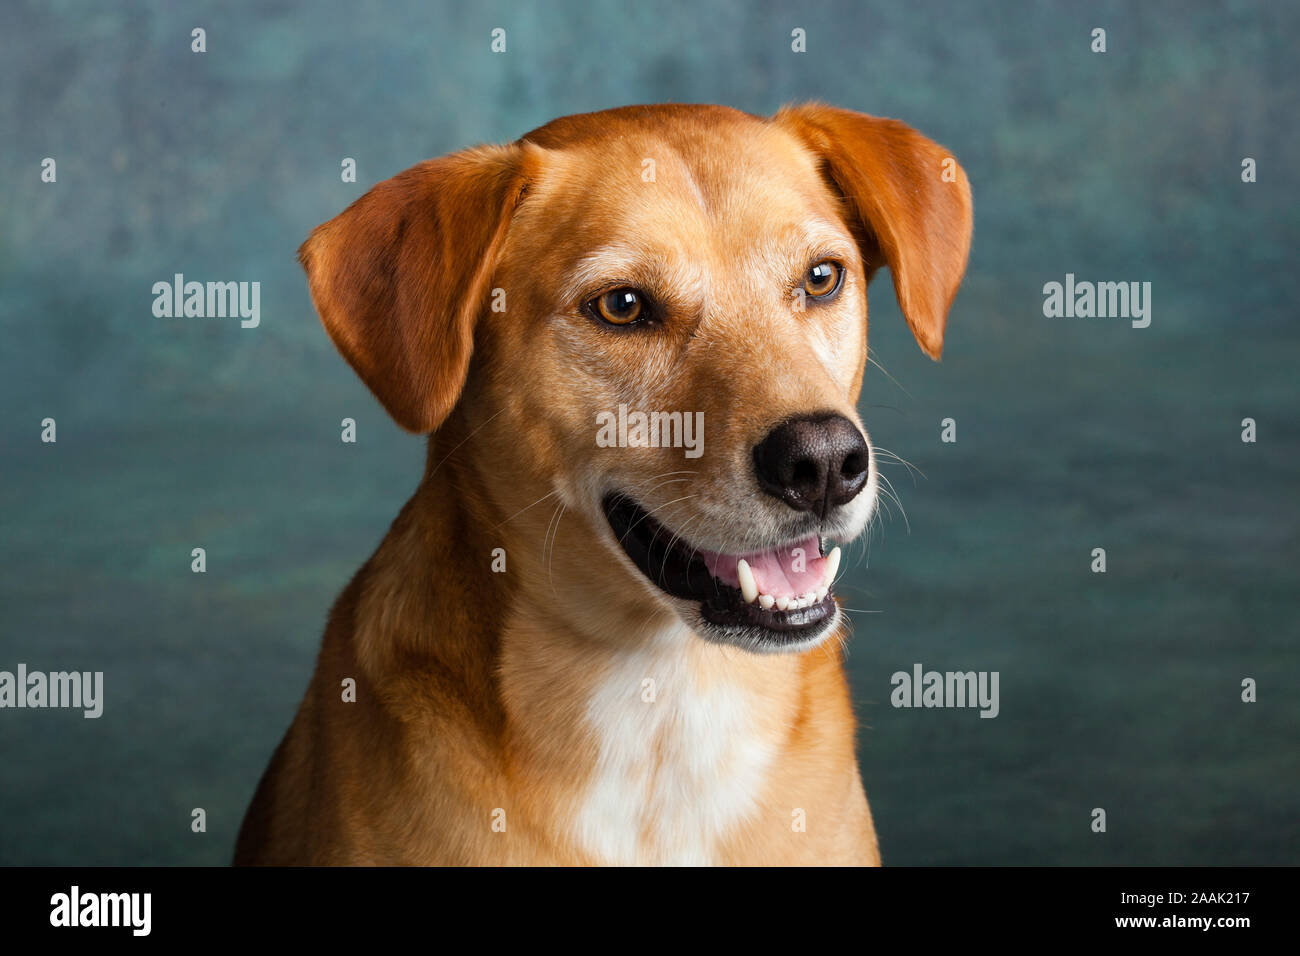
column 748, row 587
column 807, row 598
column 783, row 604
column 821, row 594
column 765, row 601
column 832, row 566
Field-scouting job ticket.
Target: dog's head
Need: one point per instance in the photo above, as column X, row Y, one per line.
column 658, row 315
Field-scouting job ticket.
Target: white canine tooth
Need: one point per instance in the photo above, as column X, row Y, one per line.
column 748, row 587
column 821, row 594
column 783, row 604
column 832, row 566
column 808, row 597
column 765, row 601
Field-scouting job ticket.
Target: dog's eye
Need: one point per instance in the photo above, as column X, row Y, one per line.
column 619, row 306
column 823, row 279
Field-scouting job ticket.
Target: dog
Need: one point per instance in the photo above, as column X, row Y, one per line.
column 578, row 652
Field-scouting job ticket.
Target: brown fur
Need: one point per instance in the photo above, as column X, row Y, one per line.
column 474, row 688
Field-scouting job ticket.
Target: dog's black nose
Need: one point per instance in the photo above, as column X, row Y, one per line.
column 813, row 463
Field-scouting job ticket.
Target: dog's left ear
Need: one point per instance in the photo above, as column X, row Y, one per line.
column 400, row 277
column 910, row 202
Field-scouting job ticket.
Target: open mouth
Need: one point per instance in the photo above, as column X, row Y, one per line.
column 782, row 592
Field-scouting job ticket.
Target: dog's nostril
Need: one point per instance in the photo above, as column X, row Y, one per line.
column 854, row 465
column 813, row 463
column 805, row 473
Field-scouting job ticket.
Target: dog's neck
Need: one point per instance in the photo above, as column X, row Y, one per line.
column 565, row 662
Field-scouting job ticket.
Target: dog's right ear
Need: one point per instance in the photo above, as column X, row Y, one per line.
column 908, row 216
column 400, row 277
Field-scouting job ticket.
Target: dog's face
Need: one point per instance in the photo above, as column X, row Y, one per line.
column 662, row 312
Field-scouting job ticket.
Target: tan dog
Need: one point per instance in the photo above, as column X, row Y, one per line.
column 573, row 646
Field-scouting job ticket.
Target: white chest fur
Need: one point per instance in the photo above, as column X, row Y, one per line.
column 680, row 763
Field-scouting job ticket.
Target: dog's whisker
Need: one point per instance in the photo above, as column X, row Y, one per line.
column 526, row 507
column 553, row 534
column 484, row 424
column 889, row 491
column 680, row 471
column 647, row 514
column 872, row 359
column 837, row 644
column 645, row 492
column 900, row 460
column 677, row 535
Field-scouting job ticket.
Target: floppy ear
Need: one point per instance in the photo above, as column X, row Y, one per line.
column 910, row 203
column 400, row 277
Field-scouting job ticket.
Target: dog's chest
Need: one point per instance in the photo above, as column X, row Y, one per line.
column 679, row 765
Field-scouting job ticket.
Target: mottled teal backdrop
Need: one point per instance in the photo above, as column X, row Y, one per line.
column 1119, row 690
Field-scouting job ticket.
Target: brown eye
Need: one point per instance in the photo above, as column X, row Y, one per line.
column 823, row 279
column 619, row 307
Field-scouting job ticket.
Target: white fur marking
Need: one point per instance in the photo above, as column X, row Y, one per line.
column 674, row 775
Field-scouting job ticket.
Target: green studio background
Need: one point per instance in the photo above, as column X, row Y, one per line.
column 1119, row 690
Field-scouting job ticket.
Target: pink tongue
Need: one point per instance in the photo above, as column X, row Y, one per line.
column 789, row 571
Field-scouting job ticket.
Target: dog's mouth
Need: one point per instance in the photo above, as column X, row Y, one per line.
column 781, row 593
